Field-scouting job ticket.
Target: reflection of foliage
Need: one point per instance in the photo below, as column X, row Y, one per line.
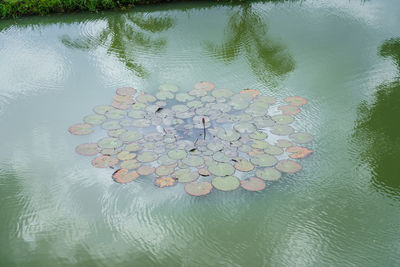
column 123, row 35
column 378, row 127
column 246, row 32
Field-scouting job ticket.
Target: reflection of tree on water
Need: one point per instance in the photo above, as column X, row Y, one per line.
column 247, row 33
column 379, row 128
column 124, row 35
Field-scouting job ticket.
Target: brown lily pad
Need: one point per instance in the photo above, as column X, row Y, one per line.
column 104, row 162
column 145, row 170
column 123, row 91
column 165, row 181
column 298, row 152
column 89, row 149
column 243, row 165
column 289, row 110
column 81, row 129
column 289, row 166
column 296, row 100
column 198, row 188
column 253, row 184
column 123, row 176
column 204, row 172
column 252, row 92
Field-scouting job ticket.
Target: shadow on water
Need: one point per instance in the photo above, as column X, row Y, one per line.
column 123, row 34
column 378, row 128
column 247, row 33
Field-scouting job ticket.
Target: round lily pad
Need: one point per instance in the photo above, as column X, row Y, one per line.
column 168, row 87
column 177, row 154
column 298, row 152
column 296, row 100
column 207, row 99
column 289, row 110
column 104, row 162
column 165, row 160
column 266, row 99
column 185, row 175
column 282, row 129
column 283, row 119
column 244, row 127
column 264, row 160
column 197, row 92
column 262, row 122
column 130, row 136
column 109, row 142
column 221, row 169
column 194, row 104
column 89, row 149
column 180, row 108
column 141, row 123
column 273, row 150
column 193, row 161
column 125, row 155
column 243, row 165
column 145, row 170
column 120, row 105
column 253, row 184
column 288, row 165
column 145, row 98
column 115, row 114
column 268, row 174
column 283, row 143
column 116, row 132
column 252, row 92
column 218, row 93
column 204, row 172
column 164, row 95
column 226, row 183
column 147, row 156
column 137, row 114
column 260, row 144
column 220, row 157
column 301, row 138
column 123, row 176
column 206, row 86
column 133, row 147
column 228, row 135
column 124, row 99
column 198, row 188
column 215, row 146
column 258, row 135
column 165, row 181
column 111, row 125
column 130, row 164
column 255, row 152
column 126, row 91
column 109, row 151
column 165, row 169
column 138, row 105
column 81, row 129
column 183, row 97
column 103, row 109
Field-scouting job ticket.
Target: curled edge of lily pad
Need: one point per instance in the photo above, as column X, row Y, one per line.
column 123, row 176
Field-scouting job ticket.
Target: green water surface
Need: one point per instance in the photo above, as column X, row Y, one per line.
column 342, row 209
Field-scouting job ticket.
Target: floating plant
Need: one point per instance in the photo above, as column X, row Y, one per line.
column 205, row 138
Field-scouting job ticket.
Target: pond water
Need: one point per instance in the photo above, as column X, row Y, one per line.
column 341, row 209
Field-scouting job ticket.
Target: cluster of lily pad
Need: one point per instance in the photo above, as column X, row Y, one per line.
column 206, row 138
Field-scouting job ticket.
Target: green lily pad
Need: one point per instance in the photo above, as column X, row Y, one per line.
column 296, row 100
column 220, row 157
column 258, row 135
column 154, row 137
column 184, row 97
column 194, row 104
column 145, row 170
column 133, row 147
column 109, row 142
column 165, row 169
column 215, row 146
column 198, row 188
column 126, row 91
column 166, row 160
column 206, row 86
column 253, row 184
column 301, row 138
column 123, row 176
column 185, row 175
column 283, row 119
column 164, row 95
column 257, row 109
column 243, row 165
column 111, row 125
column 104, row 162
column 130, row 136
column 177, row 154
column 125, row 155
column 185, row 115
column 94, row 119
column 268, row 174
column 218, row 93
column 193, row 161
column 228, row 135
column 138, row 105
column 109, row 151
column 262, row 122
column 226, row 183
column 221, row 169
column 264, row 160
column 283, row 143
column 266, row 99
column 137, row 114
column 207, row 99
column 81, row 129
column 288, row 165
column 120, row 105
column 89, row 149
column 244, row 127
column 282, row 129
column 273, row 150
column 116, row 132
column 204, row 172
column 260, row 144
column 103, row 109
column 168, row 87
column 115, row 114
column 289, row 110
column 141, row 123
column 180, row 108
column 130, row 164
column 147, row 156
column 145, row 98
column 198, row 93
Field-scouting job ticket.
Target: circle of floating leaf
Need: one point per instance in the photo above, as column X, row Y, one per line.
column 198, row 188
column 226, row 183
column 253, row 184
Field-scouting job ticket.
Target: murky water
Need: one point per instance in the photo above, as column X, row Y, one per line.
column 342, row 209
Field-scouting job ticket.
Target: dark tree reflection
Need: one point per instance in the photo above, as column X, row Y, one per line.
column 125, row 34
column 378, row 128
column 247, row 34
